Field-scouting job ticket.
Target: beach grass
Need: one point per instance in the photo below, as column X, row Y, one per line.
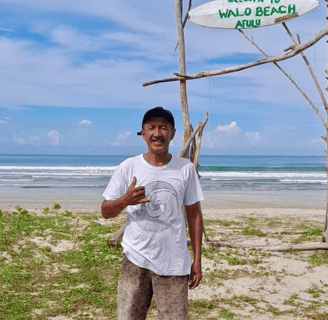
column 57, row 265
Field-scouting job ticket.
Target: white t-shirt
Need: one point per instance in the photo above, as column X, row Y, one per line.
column 155, row 233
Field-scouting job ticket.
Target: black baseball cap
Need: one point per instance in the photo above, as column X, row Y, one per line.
column 158, row 112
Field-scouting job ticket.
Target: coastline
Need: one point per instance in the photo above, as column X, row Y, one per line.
column 89, row 201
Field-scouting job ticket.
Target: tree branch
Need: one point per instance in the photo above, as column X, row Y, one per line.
column 199, row 142
column 184, row 149
column 316, row 110
column 314, row 78
column 295, row 51
column 184, row 21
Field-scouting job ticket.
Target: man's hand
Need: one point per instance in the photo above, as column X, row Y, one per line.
column 195, row 275
column 135, row 195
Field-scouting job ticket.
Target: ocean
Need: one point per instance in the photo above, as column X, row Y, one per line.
column 218, row 173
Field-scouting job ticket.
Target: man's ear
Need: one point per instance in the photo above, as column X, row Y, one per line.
column 173, row 133
column 143, row 134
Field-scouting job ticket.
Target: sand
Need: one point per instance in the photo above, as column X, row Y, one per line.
column 72, row 199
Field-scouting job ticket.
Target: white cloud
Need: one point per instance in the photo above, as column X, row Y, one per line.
column 85, row 122
column 230, row 137
column 253, row 137
column 6, row 30
column 317, row 141
column 232, row 127
column 123, row 12
column 74, row 40
column 5, row 120
column 19, row 140
column 54, row 137
column 35, row 140
column 123, row 139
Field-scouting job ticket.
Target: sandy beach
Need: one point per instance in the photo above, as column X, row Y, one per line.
column 37, row 199
column 248, row 280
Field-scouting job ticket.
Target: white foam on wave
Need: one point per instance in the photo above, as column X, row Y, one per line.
column 262, row 175
column 58, row 168
column 303, row 181
column 16, row 180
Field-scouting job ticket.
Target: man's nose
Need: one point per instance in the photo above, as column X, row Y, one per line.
column 156, row 132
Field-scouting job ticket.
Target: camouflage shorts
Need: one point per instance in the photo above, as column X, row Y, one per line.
column 136, row 287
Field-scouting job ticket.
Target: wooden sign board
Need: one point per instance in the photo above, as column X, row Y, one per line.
column 242, row 14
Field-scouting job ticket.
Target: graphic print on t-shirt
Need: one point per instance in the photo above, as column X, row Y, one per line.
column 162, row 211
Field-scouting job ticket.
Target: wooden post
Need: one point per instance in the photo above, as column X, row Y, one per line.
column 182, row 68
column 325, row 137
column 324, row 237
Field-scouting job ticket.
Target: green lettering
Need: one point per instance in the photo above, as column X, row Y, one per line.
column 223, row 14
column 282, row 9
column 291, row 8
column 259, row 11
column 249, row 23
column 239, row 24
column 266, row 11
column 274, row 10
column 248, row 12
column 231, row 13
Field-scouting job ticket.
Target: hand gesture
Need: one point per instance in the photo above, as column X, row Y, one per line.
column 135, row 195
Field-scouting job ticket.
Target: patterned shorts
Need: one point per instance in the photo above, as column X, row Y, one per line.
column 137, row 286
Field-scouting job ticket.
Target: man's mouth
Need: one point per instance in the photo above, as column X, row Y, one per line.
column 158, row 142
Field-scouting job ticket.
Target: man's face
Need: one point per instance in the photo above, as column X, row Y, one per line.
column 158, row 133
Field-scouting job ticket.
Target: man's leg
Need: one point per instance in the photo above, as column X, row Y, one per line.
column 134, row 292
column 171, row 296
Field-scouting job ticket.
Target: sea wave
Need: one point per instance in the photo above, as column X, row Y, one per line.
column 63, row 168
column 303, row 181
column 263, row 175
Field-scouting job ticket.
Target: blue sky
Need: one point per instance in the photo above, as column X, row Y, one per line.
column 72, row 74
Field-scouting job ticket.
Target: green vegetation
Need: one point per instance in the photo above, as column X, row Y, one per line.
column 253, row 232
column 312, row 234
column 314, row 292
column 56, row 206
column 318, row 258
column 46, row 210
column 38, row 282
column 225, row 314
column 222, row 223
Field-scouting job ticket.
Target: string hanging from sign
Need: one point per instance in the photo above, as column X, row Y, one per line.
column 210, row 101
column 314, row 57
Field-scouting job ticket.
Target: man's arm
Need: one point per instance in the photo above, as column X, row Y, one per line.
column 194, row 219
column 134, row 195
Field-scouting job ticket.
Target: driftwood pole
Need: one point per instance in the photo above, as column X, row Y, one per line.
column 188, row 134
column 325, row 137
column 178, row 6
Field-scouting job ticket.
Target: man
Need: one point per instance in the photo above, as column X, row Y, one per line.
column 154, row 187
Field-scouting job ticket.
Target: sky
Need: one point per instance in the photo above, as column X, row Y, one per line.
column 72, row 73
